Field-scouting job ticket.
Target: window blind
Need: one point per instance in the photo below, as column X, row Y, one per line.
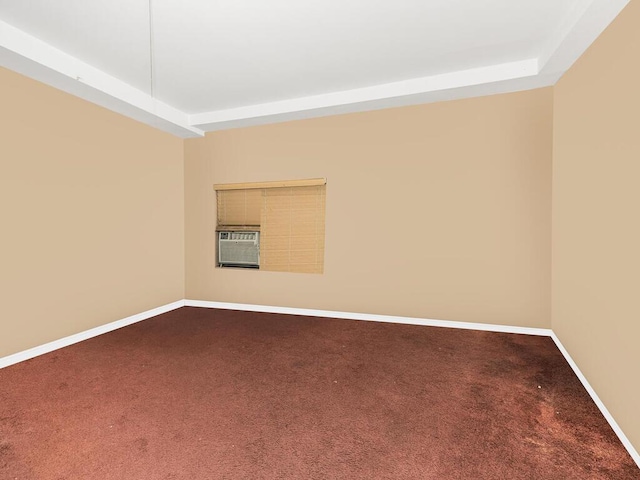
column 292, row 229
column 291, row 217
column 239, row 207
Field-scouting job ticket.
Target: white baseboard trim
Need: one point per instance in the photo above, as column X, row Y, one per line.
column 545, row 332
column 585, row 383
column 94, row 332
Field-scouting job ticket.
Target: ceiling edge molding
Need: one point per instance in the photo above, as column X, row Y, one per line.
column 480, row 90
column 389, row 94
column 36, row 59
column 580, row 28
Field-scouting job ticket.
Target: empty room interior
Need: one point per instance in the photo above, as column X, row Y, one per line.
column 324, row 240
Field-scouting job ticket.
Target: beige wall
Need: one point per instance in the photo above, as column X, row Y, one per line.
column 596, row 217
column 91, row 212
column 460, row 190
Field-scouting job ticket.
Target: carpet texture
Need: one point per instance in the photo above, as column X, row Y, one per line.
column 214, row 394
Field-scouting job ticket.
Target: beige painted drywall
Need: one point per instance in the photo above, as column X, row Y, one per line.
column 596, row 217
column 91, row 215
column 435, row 211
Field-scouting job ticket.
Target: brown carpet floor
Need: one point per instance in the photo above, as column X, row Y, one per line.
column 214, row 394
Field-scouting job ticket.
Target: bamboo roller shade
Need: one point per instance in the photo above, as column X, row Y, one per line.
column 291, row 220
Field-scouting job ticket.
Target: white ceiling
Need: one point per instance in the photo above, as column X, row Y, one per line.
column 200, row 65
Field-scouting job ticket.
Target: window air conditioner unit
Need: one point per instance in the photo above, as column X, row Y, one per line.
column 239, row 249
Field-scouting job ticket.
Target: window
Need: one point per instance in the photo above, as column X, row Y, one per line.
column 290, row 216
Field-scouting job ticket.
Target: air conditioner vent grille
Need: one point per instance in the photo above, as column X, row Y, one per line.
column 240, row 249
